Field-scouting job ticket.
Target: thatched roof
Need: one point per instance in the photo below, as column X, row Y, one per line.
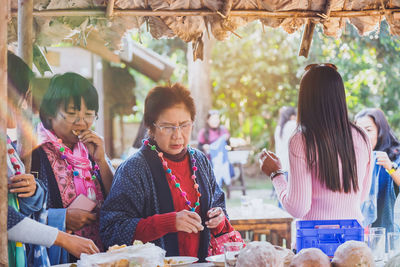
column 190, row 20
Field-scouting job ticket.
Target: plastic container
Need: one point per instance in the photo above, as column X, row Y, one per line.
column 327, row 235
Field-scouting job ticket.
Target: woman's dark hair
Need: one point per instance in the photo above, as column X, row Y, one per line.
column 284, row 116
column 386, row 141
column 161, row 98
column 19, row 74
column 324, row 123
column 61, row 90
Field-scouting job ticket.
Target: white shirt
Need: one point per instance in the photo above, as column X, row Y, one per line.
column 282, row 143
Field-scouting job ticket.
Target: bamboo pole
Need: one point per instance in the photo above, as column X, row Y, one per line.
column 4, row 12
column 309, row 30
column 307, row 38
column 25, row 51
column 101, row 12
column 110, row 8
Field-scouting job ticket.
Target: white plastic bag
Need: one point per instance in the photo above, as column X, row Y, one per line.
column 145, row 255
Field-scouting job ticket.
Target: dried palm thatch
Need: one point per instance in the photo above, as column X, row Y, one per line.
column 190, row 20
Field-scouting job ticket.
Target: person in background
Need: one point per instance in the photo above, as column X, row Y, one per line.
column 212, row 140
column 26, row 195
column 71, row 159
column 285, row 129
column 386, row 174
column 211, row 132
column 283, row 132
column 330, row 157
column 166, row 192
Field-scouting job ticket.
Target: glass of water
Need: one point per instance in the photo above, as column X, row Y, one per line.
column 376, row 239
column 231, row 251
column 393, row 244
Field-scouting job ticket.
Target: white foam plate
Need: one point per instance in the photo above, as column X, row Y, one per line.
column 184, row 261
column 217, row 260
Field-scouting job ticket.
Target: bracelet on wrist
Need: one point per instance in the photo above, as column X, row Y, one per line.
column 394, row 168
column 276, row 173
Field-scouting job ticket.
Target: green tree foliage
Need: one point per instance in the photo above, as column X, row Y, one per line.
column 255, row 75
column 370, row 67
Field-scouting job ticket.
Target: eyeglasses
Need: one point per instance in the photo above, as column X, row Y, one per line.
column 169, row 129
column 310, row 66
column 75, row 118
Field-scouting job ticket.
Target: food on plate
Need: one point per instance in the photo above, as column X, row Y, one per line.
column 310, row 257
column 353, row 253
column 115, row 247
column 172, row 261
column 259, row 254
column 139, row 254
column 285, row 254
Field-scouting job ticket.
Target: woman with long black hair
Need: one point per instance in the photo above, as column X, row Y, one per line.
column 386, row 173
column 330, row 157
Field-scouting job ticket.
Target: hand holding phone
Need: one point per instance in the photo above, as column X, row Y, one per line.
column 82, row 202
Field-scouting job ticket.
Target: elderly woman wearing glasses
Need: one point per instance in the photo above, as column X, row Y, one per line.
column 330, row 157
column 166, row 193
column 71, row 160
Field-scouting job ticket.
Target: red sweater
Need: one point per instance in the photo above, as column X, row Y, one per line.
column 156, row 226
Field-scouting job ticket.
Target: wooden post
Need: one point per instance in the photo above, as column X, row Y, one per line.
column 110, row 8
column 309, row 30
column 307, row 38
column 25, row 51
column 4, row 12
column 200, row 84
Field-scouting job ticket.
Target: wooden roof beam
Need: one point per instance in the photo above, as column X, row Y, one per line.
column 101, row 12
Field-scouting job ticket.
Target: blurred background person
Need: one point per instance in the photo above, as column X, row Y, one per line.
column 212, row 131
column 283, row 132
column 379, row 211
column 286, row 127
column 213, row 140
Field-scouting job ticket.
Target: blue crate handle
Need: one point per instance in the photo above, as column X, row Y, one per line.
column 338, row 237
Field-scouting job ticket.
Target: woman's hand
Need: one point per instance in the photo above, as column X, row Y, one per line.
column 216, row 216
column 188, row 221
column 23, row 184
column 269, row 162
column 383, row 159
column 76, row 245
column 94, row 143
column 76, row 219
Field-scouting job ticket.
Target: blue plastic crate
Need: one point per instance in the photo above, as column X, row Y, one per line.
column 311, row 234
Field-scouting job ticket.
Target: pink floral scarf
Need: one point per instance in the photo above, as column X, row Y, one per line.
column 71, row 186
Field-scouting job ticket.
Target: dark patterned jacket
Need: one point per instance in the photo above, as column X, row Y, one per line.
column 140, row 189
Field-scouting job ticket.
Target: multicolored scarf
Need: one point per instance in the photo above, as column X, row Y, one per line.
column 78, row 158
column 71, row 186
column 16, row 250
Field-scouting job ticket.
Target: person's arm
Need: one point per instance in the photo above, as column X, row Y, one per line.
column 29, row 205
column 296, row 194
column 30, row 231
column 155, row 227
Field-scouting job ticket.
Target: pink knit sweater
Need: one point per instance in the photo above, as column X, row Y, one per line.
column 304, row 197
